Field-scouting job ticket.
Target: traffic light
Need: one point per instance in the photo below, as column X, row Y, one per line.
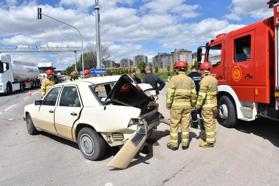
column 39, row 13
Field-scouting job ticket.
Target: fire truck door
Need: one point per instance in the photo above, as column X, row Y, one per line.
column 216, row 59
column 243, row 64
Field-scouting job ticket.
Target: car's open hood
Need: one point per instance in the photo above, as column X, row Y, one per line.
column 127, row 91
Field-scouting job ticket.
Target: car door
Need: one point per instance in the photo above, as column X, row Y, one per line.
column 67, row 111
column 44, row 117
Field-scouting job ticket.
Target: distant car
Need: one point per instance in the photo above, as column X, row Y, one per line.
column 96, row 113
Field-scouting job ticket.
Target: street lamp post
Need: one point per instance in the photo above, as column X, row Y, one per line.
column 57, row 20
column 98, row 40
column 76, row 60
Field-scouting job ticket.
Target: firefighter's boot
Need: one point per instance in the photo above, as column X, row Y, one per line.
column 185, row 147
column 205, row 144
column 172, row 146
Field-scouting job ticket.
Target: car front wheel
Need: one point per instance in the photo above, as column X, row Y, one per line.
column 30, row 126
column 91, row 144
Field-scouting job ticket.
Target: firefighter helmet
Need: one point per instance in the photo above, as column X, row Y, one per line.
column 49, row 72
column 86, row 72
column 205, row 66
column 180, row 64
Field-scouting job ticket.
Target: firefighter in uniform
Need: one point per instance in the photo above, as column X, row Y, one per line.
column 47, row 83
column 207, row 102
column 181, row 98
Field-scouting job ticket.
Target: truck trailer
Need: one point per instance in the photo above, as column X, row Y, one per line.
column 17, row 75
column 245, row 62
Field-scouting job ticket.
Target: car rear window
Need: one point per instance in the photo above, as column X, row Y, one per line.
column 101, row 91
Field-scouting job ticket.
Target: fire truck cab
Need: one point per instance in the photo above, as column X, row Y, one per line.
column 244, row 62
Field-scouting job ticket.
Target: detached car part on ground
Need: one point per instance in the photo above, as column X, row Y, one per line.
column 97, row 113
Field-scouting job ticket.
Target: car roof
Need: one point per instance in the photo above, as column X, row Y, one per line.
column 92, row 80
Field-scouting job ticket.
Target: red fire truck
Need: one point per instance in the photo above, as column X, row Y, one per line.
column 246, row 63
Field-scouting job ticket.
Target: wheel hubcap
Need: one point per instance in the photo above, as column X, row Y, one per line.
column 223, row 112
column 87, row 145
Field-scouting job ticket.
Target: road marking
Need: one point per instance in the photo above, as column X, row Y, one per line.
column 1, row 113
column 10, row 107
column 25, row 98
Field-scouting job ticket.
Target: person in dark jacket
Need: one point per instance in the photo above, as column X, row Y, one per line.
column 153, row 80
column 196, row 76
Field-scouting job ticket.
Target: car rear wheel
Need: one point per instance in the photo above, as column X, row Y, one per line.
column 91, row 144
column 30, row 126
column 226, row 112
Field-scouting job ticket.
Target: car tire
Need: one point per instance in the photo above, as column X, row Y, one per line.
column 30, row 126
column 91, row 144
column 226, row 112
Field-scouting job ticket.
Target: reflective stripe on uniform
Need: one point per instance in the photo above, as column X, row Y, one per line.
column 185, row 91
column 173, row 138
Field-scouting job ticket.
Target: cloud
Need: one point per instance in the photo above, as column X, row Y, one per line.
column 257, row 9
column 177, row 7
column 198, row 33
column 125, row 29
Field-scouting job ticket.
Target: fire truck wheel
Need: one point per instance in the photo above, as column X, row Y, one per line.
column 91, row 144
column 226, row 112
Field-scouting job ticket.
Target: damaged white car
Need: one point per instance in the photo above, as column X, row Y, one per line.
column 97, row 113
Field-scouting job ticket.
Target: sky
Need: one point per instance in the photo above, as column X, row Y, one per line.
column 128, row 27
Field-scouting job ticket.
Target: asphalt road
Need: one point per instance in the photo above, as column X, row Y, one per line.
column 247, row 155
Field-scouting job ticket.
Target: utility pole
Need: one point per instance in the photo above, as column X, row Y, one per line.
column 76, row 60
column 98, row 40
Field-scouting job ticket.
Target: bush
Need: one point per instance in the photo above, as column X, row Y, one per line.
column 141, row 66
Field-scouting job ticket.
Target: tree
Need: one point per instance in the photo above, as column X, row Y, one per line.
column 156, row 69
column 141, row 66
column 90, row 59
column 69, row 69
column 196, row 65
column 168, row 68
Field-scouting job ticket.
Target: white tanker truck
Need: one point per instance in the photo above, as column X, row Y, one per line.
column 16, row 75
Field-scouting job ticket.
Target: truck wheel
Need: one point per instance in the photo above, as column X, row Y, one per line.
column 21, row 86
column 30, row 126
column 226, row 112
column 9, row 88
column 91, row 144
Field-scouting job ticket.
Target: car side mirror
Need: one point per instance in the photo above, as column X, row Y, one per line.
column 38, row 102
